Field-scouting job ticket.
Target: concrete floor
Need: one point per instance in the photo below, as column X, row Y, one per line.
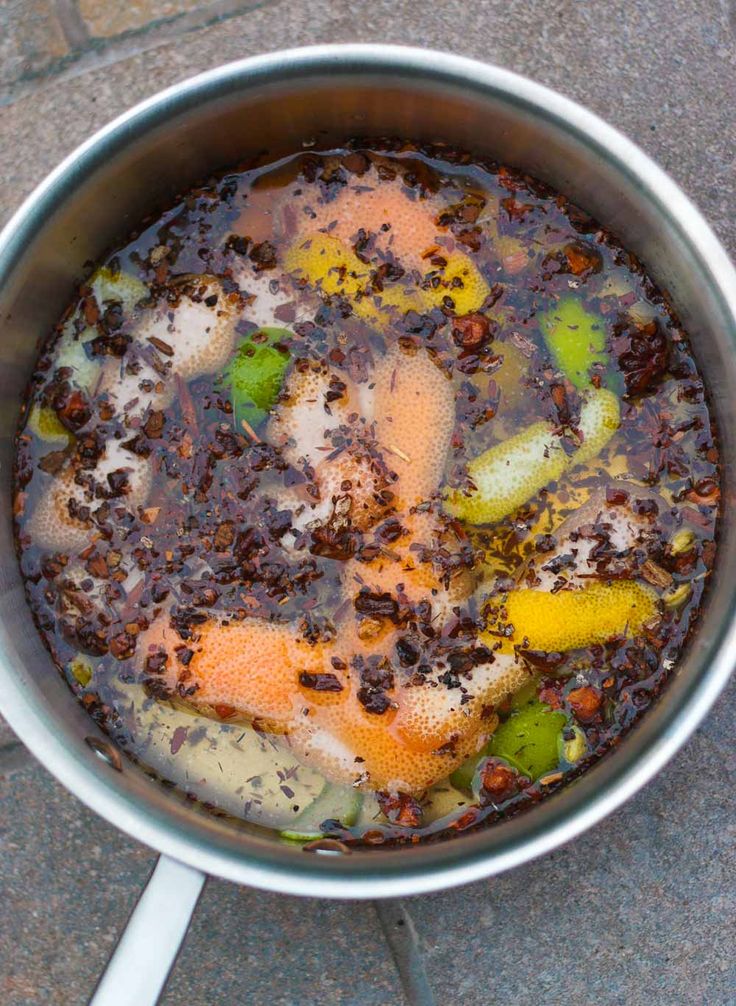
column 638, row 911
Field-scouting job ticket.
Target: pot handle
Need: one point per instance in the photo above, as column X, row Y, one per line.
column 137, row 971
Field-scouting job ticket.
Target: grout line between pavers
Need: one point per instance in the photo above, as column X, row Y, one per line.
column 401, row 936
column 97, row 53
column 72, row 23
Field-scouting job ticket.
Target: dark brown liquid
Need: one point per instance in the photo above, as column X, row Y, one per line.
column 213, row 537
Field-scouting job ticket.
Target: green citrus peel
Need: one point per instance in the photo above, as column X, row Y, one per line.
column 255, row 375
column 529, row 740
column 575, row 338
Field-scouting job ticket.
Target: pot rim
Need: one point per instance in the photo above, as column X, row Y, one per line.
column 467, row 858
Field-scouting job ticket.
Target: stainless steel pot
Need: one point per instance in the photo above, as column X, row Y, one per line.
column 279, row 103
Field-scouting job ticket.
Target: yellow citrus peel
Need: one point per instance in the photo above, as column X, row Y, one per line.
column 572, row 619
column 512, row 472
column 325, row 262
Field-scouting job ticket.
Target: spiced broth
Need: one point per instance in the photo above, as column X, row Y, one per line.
column 369, row 493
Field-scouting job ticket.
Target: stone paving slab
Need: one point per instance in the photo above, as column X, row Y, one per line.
column 638, row 911
column 68, row 881
column 30, row 38
column 675, row 98
column 7, row 737
column 42, row 40
column 113, row 17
